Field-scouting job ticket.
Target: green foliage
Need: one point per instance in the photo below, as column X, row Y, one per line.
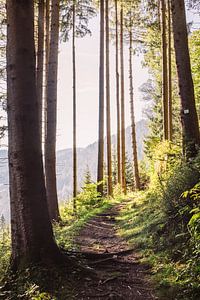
column 144, row 177
column 165, row 222
column 4, row 247
column 161, row 163
column 129, row 173
column 89, row 197
column 87, row 176
column 194, row 44
column 89, row 203
column 37, row 283
column 84, row 10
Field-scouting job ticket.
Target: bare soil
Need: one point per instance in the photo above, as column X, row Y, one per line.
column 119, row 272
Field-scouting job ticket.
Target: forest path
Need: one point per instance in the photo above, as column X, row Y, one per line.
column 121, row 275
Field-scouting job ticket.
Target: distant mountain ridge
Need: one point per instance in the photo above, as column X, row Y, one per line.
column 86, row 157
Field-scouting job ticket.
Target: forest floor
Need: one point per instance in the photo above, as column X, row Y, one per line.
column 120, row 274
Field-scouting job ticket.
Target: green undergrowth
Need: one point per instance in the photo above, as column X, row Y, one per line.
column 4, row 248
column 166, row 244
column 88, row 204
column 69, row 227
column 163, row 222
column 40, row 283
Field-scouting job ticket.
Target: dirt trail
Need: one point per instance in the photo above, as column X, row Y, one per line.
column 121, row 276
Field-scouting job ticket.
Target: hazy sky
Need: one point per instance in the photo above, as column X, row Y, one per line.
column 87, row 50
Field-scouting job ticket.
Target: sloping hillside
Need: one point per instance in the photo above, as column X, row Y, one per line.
column 86, row 156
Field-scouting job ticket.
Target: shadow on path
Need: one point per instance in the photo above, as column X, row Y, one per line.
column 120, row 273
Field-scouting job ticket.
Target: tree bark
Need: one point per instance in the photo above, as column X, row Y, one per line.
column 164, row 71
column 189, row 117
column 170, row 124
column 31, row 230
column 100, row 169
column 50, row 143
column 108, row 121
column 117, row 97
column 40, row 61
column 74, row 111
column 123, row 150
column 134, row 142
column 47, row 40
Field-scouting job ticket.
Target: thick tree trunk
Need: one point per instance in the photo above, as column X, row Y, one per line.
column 32, row 235
column 40, row 60
column 74, row 111
column 47, row 39
column 170, row 124
column 189, row 117
column 164, row 71
column 50, row 143
column 100, row 169
column 109, row 147
column 123, row 150
column 117, row 97
column 134, row 142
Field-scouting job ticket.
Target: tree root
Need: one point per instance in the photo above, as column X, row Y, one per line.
column 93, row 255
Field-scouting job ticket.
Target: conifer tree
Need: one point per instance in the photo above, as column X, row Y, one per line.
column 165, row 93
column 87, row 176
column 50, row 139
column 74, row 107
column 129, row 173
column 114, row 166
column 31, row 230
column 117, row 94
column 40, row 59
column 134, row 141
column 100, row 168
column 191, row 138
column 108, row 120
column 75, row 16
column 123, row 151
column 46, row 61
column 170, row 124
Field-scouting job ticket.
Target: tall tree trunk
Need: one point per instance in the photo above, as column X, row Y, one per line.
column 109, row 147
column 47, row 40
column 134, row 142
column 50, row 144
column 164, row 71
column 189, row 117
column 159, row 16
column 117, row 97
column 32, row 235
column 100, row 169
column 74, row 111
column 170, row 125
column 40, row 60
column 123, row 150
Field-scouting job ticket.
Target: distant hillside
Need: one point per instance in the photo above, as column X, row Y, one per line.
column 86, row 156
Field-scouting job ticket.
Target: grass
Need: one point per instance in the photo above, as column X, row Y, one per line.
column 40, row 283
column 143, row 224
column 66, row 231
